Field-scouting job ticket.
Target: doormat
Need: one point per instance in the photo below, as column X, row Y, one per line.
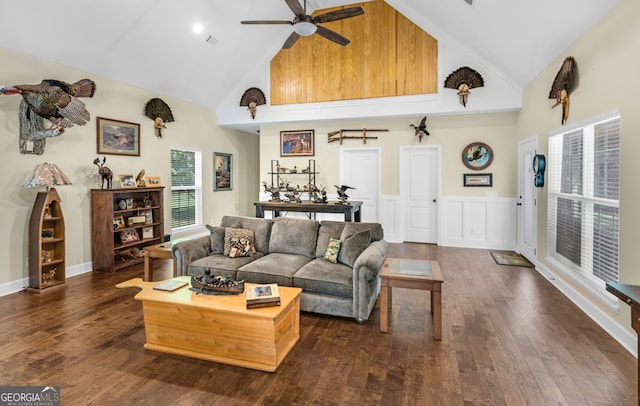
column 510, row 258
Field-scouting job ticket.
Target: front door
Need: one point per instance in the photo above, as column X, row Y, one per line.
column 527, row 199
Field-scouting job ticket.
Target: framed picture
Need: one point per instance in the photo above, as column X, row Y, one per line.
column 297, row 143
column 478, row 179
column 148, row 216
column 129, row 235
column 222, row 171
column 152, row 181
column 477, row 156
column 147, row 232
column 118, row 137
column 127, row 181
column 118, row 222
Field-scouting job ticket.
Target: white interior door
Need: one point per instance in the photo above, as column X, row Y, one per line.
column 419, row 193
column 527, row 199
column 360, row 169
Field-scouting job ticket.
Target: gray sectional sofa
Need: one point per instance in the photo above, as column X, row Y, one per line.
column 290, row 252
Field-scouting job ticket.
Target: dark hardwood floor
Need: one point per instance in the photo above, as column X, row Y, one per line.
column 509, row 338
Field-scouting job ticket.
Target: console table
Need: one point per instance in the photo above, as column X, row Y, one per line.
column 351, row 210
column 630, row 294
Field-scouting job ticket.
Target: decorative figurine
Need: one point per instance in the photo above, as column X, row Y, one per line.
column 105, row 172
column 342, row 196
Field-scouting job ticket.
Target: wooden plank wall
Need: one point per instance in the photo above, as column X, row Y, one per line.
column 388, row 56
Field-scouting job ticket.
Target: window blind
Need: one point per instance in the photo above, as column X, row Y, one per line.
column 185, row 187
column 584, row 190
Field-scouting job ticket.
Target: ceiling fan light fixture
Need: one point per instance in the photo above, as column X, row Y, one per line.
column 305, row 28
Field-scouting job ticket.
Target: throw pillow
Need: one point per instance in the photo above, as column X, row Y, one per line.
column 238, row 242
column 353, row 243
column 333, row 248
column 216, row 239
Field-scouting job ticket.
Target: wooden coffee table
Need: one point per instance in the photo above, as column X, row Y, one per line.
column 411, row 274
column 219, row 328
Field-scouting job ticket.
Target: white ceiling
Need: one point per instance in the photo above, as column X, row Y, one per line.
column 150, row 43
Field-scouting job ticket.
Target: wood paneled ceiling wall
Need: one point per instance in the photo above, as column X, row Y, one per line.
column 388, row 56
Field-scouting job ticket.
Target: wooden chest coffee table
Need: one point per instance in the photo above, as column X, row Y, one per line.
column 411, row 274
column 219, row 328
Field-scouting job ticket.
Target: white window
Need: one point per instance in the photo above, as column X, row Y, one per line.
column 584, row 186
column 186, row 189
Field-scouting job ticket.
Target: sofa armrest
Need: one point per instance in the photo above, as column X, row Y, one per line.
column 366, row 279
column 371, row 259
column 188, row 251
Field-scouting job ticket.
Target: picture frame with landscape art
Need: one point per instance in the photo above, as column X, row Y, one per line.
column 297, row 143
column 117, row 137
column 222, row 171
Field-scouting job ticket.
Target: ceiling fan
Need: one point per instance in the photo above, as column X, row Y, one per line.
column 306, row 25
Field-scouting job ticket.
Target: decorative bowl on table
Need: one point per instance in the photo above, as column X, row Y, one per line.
column 216, row 285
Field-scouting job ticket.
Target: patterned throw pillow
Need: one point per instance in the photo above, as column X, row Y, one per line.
column 333, row 248
column 238, row 242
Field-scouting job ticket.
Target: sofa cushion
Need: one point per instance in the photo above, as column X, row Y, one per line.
column 273, row 268
column 220, row 265
column 332, row 250
column 238, row 242
column 327, row 231
column 353, row 243
column 294, row 236
column 217, row 239
column 320, row 276
column 261, row 229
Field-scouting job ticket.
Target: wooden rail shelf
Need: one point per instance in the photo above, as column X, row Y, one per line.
column 339, row 135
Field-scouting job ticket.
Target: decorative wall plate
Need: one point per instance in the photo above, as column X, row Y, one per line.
column 477, row 156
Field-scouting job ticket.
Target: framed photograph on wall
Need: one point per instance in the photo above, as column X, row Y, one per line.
column 297, row 143
column 478, row 179
column 222, row 171
column 118, row 137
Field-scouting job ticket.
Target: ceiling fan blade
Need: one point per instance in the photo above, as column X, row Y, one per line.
column 338, row 15
column 332, row 35
column 267, row 22
column 295, row 6
column 291, row 40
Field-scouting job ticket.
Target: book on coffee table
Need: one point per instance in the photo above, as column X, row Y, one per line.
column 170, row 285
column 263, row 296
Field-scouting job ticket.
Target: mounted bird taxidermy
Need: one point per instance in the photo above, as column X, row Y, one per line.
column 54, row 100
column 564, row 82
column 252, row 98
column 421, row 129
column 305, row 25
column 160, row 113
column 463, row 79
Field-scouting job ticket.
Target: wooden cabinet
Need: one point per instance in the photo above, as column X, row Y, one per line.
column 46, row 242
column 123, row 222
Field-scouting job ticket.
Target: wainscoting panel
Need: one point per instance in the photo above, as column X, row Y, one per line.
column 478, row 222
column 390, row 218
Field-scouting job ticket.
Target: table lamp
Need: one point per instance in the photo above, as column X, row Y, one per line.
column 47, row 175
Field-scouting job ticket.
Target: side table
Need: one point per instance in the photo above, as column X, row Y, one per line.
column 161, row 251
column 411, row 274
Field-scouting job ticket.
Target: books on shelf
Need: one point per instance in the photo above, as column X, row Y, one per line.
column 170, row 285
column 263, row 296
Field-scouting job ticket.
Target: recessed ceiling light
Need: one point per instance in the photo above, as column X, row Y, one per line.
column 198, row 28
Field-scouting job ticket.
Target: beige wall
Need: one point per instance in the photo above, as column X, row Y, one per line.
column 75, row 151
column 608, row 59
column 451, row 133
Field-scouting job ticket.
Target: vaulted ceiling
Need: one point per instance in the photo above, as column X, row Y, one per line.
column 151, row 43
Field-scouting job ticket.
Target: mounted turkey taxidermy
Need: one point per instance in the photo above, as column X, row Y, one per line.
column 54, row 100
column 463, row 79
column 252, row 98
column 160, row 113
column 562, row 86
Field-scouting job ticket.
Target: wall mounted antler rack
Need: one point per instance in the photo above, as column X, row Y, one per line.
column 339, row 135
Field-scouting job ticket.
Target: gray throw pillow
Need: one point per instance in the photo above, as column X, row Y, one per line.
column 217, row 239
column 353, row 243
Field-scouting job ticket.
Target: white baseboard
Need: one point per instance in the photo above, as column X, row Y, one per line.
column 19, row 285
